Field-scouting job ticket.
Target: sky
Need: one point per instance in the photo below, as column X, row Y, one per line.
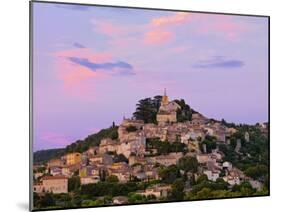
column 92, row 64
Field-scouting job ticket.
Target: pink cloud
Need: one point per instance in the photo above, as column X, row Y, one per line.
column 159, row 29
column 229, row 28
column 177, row 18
column 222, row 25
column 79, row 80
column 179, row 49
column 113, row 29
column 157, row 37
column 108, row 28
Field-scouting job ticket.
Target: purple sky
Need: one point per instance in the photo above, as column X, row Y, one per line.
column 92, row 65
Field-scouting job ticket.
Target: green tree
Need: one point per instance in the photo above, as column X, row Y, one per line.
column 76, row 200
column 74, row 183
column 169, row 174
column 257, row 171
column 131, row 128
column 201, row 179
column 245, row 189
column 205, row 193
column 177, row 192
column 185, row 112
column 46, row 201
column 147, row 110
column 112, row 179
column 136, row 198
column 210, row 143
column 188, row 164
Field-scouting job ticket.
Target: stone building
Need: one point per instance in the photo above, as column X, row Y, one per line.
column 123, row 133
column 167, row 111
column 55, row 163
column 73, row 158
column 55, row 184
column 89, row 180
column 166, row 160
column 101, row 159
column 157, row 190
column 108, row 145
column 136, row 146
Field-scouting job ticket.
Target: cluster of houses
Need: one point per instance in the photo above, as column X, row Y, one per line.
column 98, row 162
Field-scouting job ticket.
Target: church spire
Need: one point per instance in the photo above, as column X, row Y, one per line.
column 165, row 99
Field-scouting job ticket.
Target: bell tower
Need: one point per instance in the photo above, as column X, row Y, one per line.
column 165, row 99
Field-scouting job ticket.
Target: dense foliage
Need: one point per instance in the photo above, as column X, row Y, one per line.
column 147, row 109
column 131, row 129
column 188, row 164
column 209, row 142
column 165, row 147
column 93, row 140
column 185, row 113
column 43, row 156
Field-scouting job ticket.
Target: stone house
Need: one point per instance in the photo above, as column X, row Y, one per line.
column 56, row 171
column 166, row 160
column 68, row 170
column 232, row 180
column 118, row 200
column 55, row 163
column 157, row 190
column 212, row 175
column 123, row 134
column 38, row 187
column 73, row 158
column 227, row 165
column 133, row 159
column 202, row 158
column 198, row 119
column 136, row 146
column 88, row 171
column 108, row 145
column 89, row 180
column 101, row 159
column 55, row 184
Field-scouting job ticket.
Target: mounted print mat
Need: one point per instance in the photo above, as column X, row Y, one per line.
column 137, row 106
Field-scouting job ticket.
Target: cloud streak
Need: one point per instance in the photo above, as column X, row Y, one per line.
column 219, row 62
column 78, row 45
column 120, row 67
column 157, row 37
column 177, row 18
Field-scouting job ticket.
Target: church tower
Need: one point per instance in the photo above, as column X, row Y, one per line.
column 165, row 99
column 168, row 110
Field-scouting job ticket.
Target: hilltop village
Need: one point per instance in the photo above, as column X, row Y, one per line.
column 166, row 160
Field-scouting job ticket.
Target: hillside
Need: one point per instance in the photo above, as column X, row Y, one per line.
column 146, row 110
column 43, row 156
column 79, row 146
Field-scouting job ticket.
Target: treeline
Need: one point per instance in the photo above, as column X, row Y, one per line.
column 43, row 156
column 93, row 140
